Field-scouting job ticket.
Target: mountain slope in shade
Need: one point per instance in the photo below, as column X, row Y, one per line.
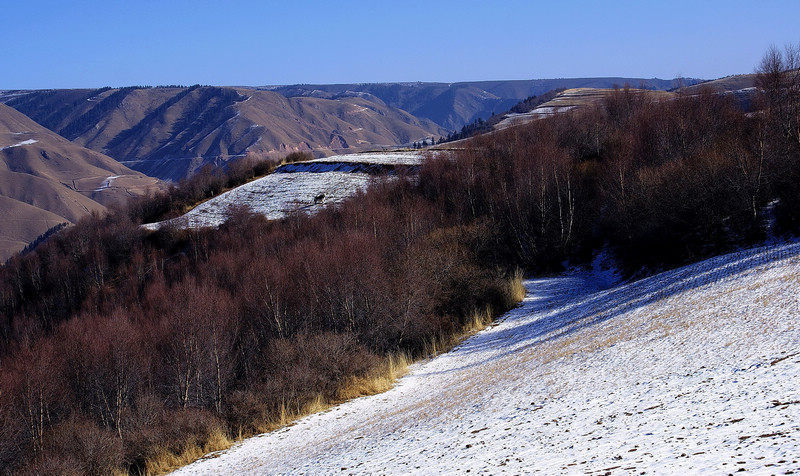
column 46, row 180
column 171, row 132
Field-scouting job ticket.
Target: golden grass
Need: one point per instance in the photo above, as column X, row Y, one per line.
column 379, row 380
column 515, row 289
column 166, row 461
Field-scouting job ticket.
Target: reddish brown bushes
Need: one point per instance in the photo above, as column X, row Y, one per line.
column 164, row 340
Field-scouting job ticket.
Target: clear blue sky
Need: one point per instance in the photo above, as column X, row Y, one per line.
column 63, row 44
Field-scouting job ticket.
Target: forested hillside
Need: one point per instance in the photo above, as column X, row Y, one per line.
column 122, row 347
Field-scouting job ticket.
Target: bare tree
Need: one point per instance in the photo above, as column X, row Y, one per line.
column 778, row 79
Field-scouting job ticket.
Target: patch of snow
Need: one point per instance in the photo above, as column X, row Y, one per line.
column 387, row 158
column 25, row 142
column 275, row 196
column 107, row 183
column 693, row 371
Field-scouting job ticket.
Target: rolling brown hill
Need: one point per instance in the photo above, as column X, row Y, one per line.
column 169, row 132
column 46, row 180
column 733, row 83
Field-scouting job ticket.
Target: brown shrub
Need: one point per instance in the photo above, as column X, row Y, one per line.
column 84, row 447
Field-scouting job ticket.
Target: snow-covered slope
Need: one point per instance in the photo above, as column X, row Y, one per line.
column 693, row 371
column 302, row 186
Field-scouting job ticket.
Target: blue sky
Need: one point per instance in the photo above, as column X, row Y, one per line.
column 63, row 44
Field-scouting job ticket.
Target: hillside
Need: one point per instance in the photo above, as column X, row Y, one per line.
column 171, row 132
column 570, row 99
column 688, row 371
column 46, row 180
column 728, row 83
column 453, row 105
column 300, row 187
column 163, row 346
column 741, row 86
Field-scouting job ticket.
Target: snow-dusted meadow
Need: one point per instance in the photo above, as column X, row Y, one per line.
column 294, row 187
column 693, row 371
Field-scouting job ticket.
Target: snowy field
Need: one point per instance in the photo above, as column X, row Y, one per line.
column 693, row 371
column 294, row 187
column 107, row 183
column 389, row 158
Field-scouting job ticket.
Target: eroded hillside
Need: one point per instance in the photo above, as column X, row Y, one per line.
column 453, row 105
column 171, row 132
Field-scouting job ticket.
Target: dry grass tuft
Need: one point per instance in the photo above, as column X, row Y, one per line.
column 516, row 291
column 166, row 461
column 381, row 379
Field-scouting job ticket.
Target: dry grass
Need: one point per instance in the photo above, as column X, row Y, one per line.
column 515, row 291
column 166, row 461
column 379, row 380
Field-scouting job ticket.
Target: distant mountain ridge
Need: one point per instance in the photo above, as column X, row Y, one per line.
column 170, row 132
column 453, row 105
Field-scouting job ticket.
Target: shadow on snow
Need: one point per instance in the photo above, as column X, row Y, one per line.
column 555, row 308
